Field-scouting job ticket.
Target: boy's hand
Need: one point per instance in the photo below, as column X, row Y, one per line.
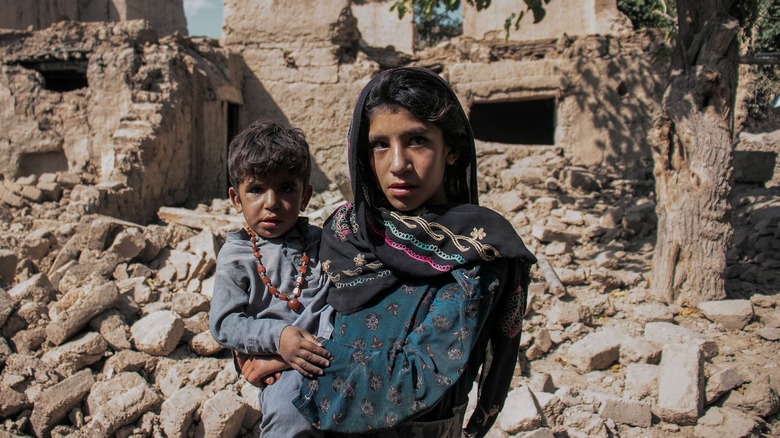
column 303, row 352
column 261, row 370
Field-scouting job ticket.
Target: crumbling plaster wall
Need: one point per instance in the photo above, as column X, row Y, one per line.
column 307, row 69
column 166, row 16
column 570, row 17
column 150, row 129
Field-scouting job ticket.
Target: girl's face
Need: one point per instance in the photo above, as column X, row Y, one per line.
column 408, row 157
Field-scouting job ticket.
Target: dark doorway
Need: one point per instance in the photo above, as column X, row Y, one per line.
column 233, row 129
column 61, row 76
column 522, row 122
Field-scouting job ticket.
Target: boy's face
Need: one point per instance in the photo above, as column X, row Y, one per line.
column 408, row 158
column 271, row 203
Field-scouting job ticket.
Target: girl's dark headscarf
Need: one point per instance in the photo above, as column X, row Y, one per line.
column 368, row 247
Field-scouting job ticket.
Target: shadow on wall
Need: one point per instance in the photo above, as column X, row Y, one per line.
column 616, row 97
column 259, row 104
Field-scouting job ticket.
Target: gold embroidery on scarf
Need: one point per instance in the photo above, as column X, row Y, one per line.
column 486, row 251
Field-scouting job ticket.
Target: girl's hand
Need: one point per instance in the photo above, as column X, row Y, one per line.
column 301, row 350
column 261, row 370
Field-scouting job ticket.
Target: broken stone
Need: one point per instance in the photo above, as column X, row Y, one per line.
column 757, row 399
column 769, row 333
column 129, row 360
column 12, row 401
column 731, row 314
column 653, row 312
column 157, row 333
column 187, row 304
column 6, row 306
column 681, row 384
column 205, row 345
column 579, row 422
column 37, row 288
column 123, row 409
column 76, row 308
column 112, row 326
column 128, row 244
column 726, row 422
column 72, row 356
column 595, row 351
column 563, row 313
column 541, row 382
column 178, row 410
column 721, row 382
column 197, row 372
column 221, row 415
column 641, row 380
column 633, row 350
column 8, row 263
column 632, row 412
column 523, row 412
column 56, row 402
column 664, row 333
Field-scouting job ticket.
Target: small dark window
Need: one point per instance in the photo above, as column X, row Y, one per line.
column 61, row 76
column 523, row 122
column 42, row 162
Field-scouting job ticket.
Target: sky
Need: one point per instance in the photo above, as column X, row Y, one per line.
column 204, row 17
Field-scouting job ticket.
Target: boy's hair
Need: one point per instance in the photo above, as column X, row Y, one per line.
column 266, row 148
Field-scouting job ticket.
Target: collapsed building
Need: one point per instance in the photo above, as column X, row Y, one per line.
column 147, row 119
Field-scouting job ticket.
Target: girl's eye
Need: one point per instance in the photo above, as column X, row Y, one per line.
column 378, row 145
column 417, row 140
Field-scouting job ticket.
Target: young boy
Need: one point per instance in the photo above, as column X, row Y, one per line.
column 270, row 290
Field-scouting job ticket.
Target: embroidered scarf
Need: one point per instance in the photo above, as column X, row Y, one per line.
column 368, row 248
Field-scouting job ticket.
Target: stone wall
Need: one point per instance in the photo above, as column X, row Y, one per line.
column 570, row 17
column 146, row 119
column 167, row 16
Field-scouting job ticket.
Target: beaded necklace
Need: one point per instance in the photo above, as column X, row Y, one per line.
column 292, row 299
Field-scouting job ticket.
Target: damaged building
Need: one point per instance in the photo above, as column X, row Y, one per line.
column 144, row 114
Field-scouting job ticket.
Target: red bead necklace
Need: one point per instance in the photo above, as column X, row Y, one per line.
column 292, row 299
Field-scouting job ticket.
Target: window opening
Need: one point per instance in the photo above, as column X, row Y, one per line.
column 61, row 76
column 530, row 122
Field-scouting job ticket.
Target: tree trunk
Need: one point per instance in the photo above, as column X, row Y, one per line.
column 692, row 143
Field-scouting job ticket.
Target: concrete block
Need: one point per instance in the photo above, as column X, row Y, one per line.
column 204, row 344
column 681, row 384
column 595, row 351
column 56, row 401
column 731, row 314
column 521, row 412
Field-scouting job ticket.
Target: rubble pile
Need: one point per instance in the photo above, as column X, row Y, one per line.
column 104, row 322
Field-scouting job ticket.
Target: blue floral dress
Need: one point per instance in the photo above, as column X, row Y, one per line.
column 417, row 348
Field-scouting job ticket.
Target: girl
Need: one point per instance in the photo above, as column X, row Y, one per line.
column 429, row 287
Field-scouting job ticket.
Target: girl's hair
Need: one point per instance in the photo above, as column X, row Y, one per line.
column 427, row 98
column 265, row 148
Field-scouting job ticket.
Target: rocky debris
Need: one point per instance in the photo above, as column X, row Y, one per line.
column 104, row 322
